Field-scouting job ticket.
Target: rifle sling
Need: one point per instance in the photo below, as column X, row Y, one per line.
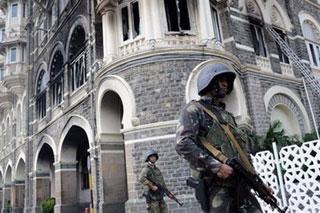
column 214, row 151
column 229, row 134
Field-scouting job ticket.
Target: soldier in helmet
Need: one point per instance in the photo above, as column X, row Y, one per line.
column 224, row 191
column 154, row 197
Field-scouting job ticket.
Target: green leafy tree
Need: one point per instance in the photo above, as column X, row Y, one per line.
column 47, row 206
column 310, row 136
column 277, row 134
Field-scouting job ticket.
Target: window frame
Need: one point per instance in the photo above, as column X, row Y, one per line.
column 216, row 22
column 10, row 56
column 255, row 24
column 57, row 82
column 16, row 12
column 41, row 96
column 283, row 58
column 3, row 34
column 315, row 57
column 129, row 6
column 24, row 9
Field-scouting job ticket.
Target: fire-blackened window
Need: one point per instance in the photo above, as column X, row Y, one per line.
column 258, row 38
column 282, row 57
column 130, row 18
column 56, row 78
column 177, row 15
column 41, row 99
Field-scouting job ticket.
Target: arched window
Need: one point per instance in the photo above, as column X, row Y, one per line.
column 56, row 78
column 41, row 100
column 288, row 119
column 77, row 57
column 312, row 35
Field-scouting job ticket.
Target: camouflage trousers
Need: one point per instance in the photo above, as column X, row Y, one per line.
column 224, row 200
column 157, row 206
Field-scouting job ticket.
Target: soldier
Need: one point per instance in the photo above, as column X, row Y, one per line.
column 149, row 173
column 225, row 193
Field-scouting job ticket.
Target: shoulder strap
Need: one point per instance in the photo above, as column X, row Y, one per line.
column 214, row 151
column 229, row 134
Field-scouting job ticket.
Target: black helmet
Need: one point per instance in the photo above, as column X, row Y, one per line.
column 209, row 72
column 149, row 153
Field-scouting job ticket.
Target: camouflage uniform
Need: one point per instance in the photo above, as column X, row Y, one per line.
column 157, row 204
column 225, row 195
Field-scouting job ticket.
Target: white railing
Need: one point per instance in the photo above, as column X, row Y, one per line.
column 132, row 47
column 286, row 69
column 170, row 41
column 14, row 68
column 263, row 63
column 299, row 185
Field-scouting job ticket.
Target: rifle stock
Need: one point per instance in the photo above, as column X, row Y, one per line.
column 166, row 191
column 255, row 182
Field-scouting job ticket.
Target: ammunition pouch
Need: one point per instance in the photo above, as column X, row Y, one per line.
column 200, row 192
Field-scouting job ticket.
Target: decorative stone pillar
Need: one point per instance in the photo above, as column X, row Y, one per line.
column 147, row 19
column 205, row 20
column 113, row 173
column 1, row 198
column 66, row 89
column 109, row 32
column 49, row 106
column 18, row 192
column 94, row 168
column 41, row 189
column 154, row 10
column 66, row 187
column 7, row 196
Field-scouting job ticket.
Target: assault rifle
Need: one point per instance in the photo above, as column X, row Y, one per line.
column 164, row 190
column 255, row 183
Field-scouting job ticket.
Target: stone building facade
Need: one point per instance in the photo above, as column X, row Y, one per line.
column 88, row 86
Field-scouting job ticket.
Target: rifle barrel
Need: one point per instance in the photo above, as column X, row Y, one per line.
column 166, row 191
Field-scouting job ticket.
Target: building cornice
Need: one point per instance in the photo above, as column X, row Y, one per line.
column 165, row 51
column 105, row 5
column 313, row 4
column 250, row 68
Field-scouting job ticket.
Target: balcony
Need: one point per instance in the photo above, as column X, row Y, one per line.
column 316, row 71
column 14, row 78
column 170, row 41
column 264, row 64
column 286, row 69
column 6, row 98
column 12, row 37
